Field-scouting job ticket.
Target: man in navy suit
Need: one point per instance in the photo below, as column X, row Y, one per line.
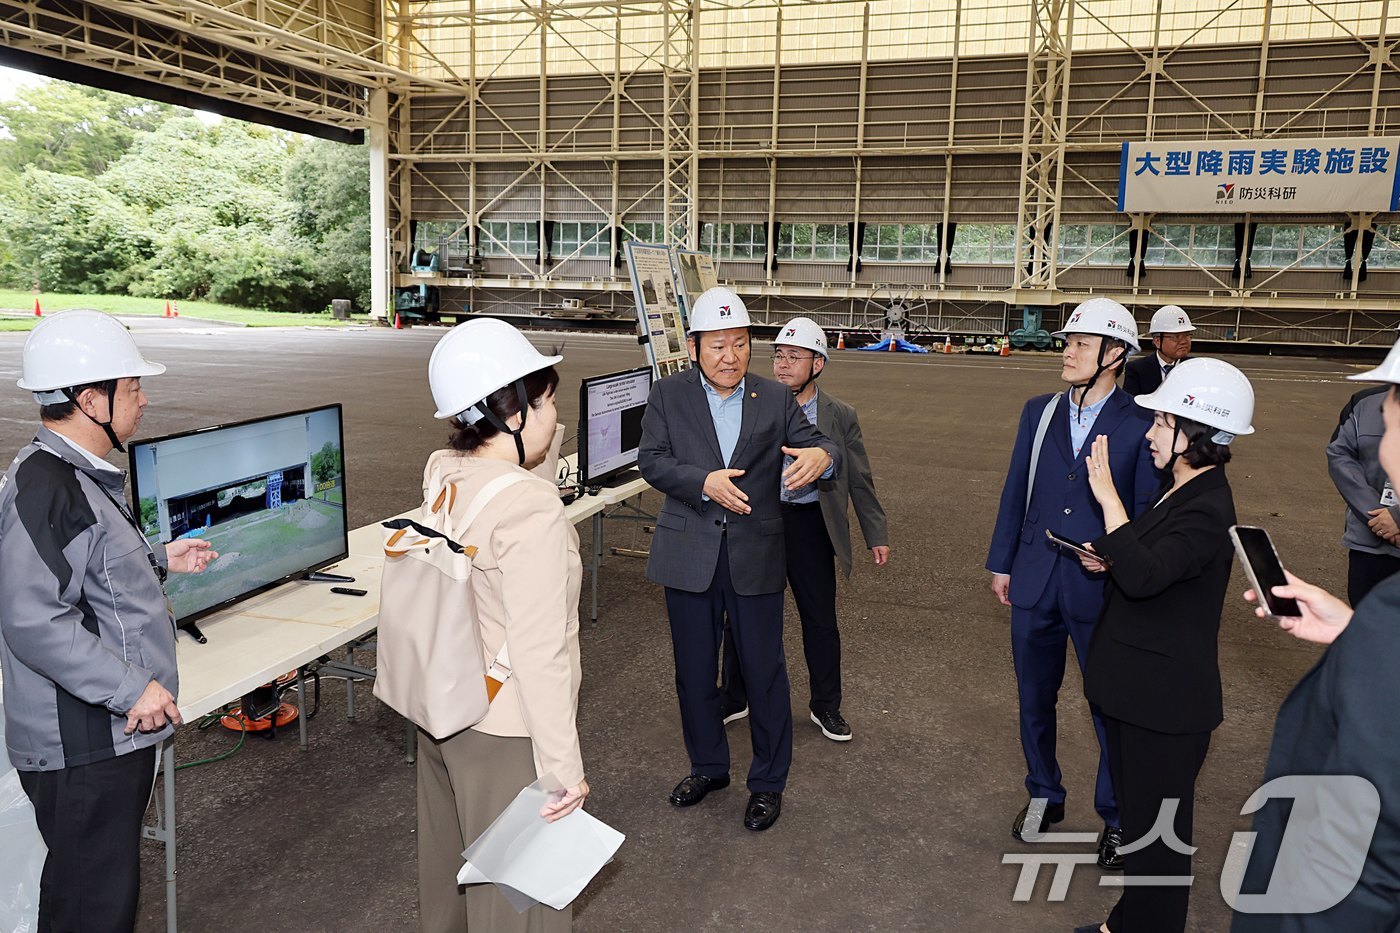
column 714, row 440
column 1052, row 597
column 1171, row 336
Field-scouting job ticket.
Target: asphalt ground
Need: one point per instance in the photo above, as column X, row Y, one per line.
column 904, row 828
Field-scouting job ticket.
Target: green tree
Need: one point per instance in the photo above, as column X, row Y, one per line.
column 69, row 234
column 328, row 185
column 150, row 517
column 71, row 129
column 326, row 463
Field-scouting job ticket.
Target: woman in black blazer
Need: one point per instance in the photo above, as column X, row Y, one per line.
column 1152, row 669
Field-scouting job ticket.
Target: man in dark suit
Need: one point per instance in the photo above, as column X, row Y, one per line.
column 1051, row 596
column 714, row 440
column 1331, row 860
column 817, row 529
column 1171, row 335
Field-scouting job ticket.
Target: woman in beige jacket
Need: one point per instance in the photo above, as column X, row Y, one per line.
column 498, row 393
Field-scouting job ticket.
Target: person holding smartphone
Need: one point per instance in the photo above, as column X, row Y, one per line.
column 1339, row 721
column 1152, row 669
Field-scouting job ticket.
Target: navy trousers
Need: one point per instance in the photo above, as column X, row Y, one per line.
column 811, row 572
column 1038, row 651
column 756, row 626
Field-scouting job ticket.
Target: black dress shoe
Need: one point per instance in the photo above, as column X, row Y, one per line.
column 1109, row 841
column 762, row 811
column 1030, row 823
column 692, row 790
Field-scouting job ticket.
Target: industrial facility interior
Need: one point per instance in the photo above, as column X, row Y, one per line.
column 946, row 168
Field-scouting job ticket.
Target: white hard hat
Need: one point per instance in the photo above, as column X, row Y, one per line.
column 74, row 348
column 1388, row 371
column 718, row 309
column 1209, row 391
column 1102, row 316
column 476, row 358
column 805, row 333
column 1170, row 320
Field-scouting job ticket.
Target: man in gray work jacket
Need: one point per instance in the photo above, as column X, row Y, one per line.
column 1372, row 535
column 87, row 641
column 816, row 528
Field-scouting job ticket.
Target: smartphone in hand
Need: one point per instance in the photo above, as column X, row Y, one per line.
column 1257, row 555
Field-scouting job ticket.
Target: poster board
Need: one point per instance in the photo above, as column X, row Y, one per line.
column 660, row 315
column 695, row 273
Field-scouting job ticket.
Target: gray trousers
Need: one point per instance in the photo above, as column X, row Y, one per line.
column 464, row 782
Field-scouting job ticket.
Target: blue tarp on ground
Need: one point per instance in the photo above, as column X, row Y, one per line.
column 902, row 345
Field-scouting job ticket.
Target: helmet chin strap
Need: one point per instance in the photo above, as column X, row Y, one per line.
column 110, row 387
column 1102, row 366
column 798, row 390
column 492, row 419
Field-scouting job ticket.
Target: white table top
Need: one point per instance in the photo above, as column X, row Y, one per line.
column 272, row 633
column 278, row 631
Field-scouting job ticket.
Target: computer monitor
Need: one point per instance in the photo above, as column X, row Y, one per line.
column 267, row 494
column 610, row 424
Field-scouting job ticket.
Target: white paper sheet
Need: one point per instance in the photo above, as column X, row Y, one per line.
column 532, row 861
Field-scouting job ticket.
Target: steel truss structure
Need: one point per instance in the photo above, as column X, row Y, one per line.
column 680, row 118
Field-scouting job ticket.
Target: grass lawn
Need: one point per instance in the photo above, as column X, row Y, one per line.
column 23, row 301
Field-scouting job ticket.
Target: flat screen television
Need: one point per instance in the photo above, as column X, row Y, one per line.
column 267, row 494
column 610, row 424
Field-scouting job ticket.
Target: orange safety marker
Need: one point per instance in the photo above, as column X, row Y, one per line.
column 37, row 312
column 840, row 340
column 398, row 324
column 894, row 344
column 174, row 309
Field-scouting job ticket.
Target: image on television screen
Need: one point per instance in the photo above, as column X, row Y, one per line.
column 611, row 409
column 268, row 495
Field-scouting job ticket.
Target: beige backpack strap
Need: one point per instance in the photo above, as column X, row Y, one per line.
column 498, row 672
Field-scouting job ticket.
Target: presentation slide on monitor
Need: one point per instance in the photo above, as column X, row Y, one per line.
column 268, row 496
column 615, row 410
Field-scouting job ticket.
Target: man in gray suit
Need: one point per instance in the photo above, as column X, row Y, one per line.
column 816, row 529
column 714, row 440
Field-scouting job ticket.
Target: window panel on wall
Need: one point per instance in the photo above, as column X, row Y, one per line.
column 900, row 243
column 1385, row 253
column 1170, row 245
column 509, row 238
column 590, row 239
column 644, row 232
column 813, row 242
column 985, row 244
column 735, row 241
column 1323, row 247
column 1276, row 245
column 430, row 233
column 1213, row 245
column 1003, row 244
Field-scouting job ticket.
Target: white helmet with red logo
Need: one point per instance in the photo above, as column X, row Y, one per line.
column 1170, row 319
column 804, row 333
column 1105, row 317
column 718, row 309
column 1211, row 392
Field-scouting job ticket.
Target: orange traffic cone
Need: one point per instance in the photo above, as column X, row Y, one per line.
column 841, row 340
column 894, row 344
column 947, row 344
column 167, row 307
column 37, row 312
column 174, row 309
column 398, row 324
column 1005, row 346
